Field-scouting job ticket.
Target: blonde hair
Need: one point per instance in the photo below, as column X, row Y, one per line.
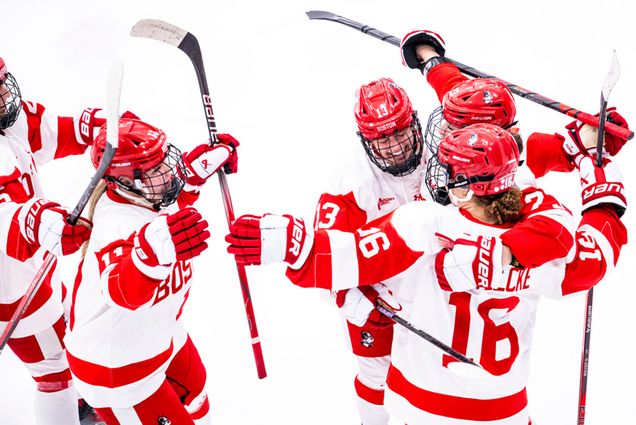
column 95, row 197
column 502, row 207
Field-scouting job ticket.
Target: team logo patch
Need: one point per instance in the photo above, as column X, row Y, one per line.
column 366, row 339
column 384, row 201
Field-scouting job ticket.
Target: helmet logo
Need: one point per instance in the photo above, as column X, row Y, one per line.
column 488, row 98
column 473, row 139
column 387, row 126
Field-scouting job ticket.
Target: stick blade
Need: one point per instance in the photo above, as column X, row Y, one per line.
column 321, row 14
column 113, row 99
column 612, row 76
column 156, row 29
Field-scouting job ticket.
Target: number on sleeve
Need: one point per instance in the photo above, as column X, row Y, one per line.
column 537, row 197
column 372, row 241
column 588, row 249
column 327, row 218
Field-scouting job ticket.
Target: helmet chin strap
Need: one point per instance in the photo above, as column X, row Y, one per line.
column 134, row 198
column 455, row 200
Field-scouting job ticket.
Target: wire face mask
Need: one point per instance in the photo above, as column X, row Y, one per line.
column 398, row 154
column 162, row 185
column 10, row 101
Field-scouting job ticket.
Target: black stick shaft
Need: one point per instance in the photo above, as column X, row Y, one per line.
column 190, row 46
column 585, row 358
column 475, row 73
column 388, row 312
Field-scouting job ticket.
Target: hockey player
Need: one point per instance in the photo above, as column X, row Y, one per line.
column 29, row 138
column 474, row 294
column 465, row 101
column 128, row 349
column 369, row 187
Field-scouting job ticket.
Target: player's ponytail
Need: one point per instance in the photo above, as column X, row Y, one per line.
column 97, row 194
column 502, row 207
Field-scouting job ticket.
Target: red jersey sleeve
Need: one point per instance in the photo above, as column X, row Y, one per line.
column 377, row 251
column 123, row 284
column 444, row 77
column 12, row 195
column 544, row 153
column 544, row 232
column 339, row 212
column 334, row 212
column 599, row 239
column 51, row 137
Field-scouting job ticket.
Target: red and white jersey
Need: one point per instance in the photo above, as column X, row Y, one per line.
column 119, row 351
column 33, row 140
column 363, row 192
column 379, row 250
column 494, row 327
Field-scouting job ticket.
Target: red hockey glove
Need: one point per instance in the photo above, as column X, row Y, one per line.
column 43, row 224
column 168, row 239
column 469, row 262
column 415, row 38
column 601, row 185
column 584, row 137
column 269, row 239
column 358, row 305
column 204, row 160
column 231, row 165
column 613, row 144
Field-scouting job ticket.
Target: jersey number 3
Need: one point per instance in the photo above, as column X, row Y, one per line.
column 493, row 334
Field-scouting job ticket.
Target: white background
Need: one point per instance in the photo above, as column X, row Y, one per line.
column 287, row 92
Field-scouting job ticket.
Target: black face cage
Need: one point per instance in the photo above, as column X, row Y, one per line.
column 411, row 163
column 10, row 102
column 437, row 176
column 436, row 129
column 162, row 185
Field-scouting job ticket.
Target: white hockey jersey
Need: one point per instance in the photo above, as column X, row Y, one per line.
column 493, row 327
column 361, row 193
column 118, row 352
column 33, row 140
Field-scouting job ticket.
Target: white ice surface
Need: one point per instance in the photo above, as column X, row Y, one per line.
column 286, row 91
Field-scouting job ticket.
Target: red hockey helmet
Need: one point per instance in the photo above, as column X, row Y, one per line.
column 383, row 110
column 144, row 162
column 3, row 70
column 482, row 157
column 10, row 97
column 482, row 100
column 382, row 107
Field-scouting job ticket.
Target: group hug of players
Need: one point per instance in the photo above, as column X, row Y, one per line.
column 445, row 225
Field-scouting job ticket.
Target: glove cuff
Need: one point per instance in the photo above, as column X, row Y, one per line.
column 157, row 272
column 30, row 217
column 432, row 63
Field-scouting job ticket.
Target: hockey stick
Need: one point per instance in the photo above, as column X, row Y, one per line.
column 586, row 118
column 609, row 83
column 113, row 94
column 188, row 44
column 383, row 308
